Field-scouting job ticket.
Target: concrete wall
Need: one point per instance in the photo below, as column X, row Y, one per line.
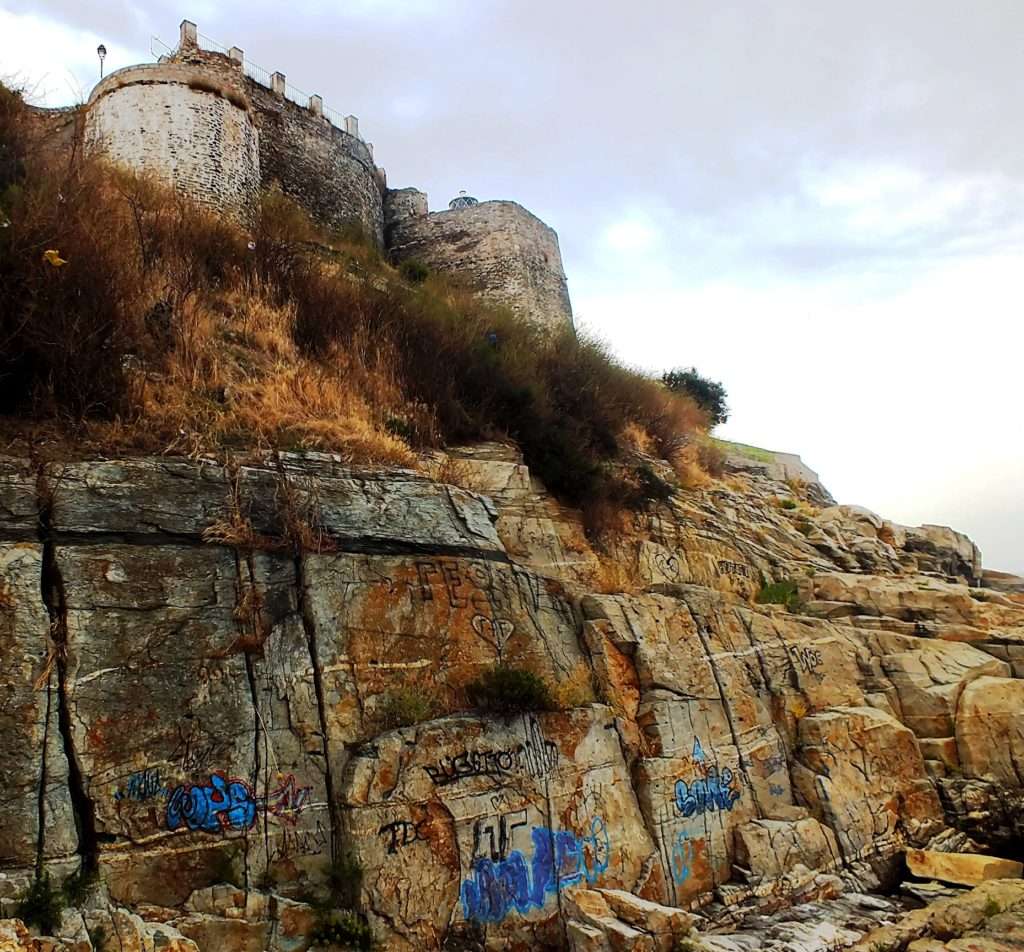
column 497, row 248
column 191, row 130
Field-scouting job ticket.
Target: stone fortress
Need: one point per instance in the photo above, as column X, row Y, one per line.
column 220, row 130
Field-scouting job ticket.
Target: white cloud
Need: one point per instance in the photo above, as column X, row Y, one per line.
column 901, row 402
column 56, row 64
column 631, row 236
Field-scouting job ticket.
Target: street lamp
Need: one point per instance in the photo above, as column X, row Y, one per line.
column 101, row 52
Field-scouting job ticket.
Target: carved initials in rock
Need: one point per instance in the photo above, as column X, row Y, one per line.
column 496, row 632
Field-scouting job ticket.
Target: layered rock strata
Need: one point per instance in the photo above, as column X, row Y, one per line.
column 202, row 663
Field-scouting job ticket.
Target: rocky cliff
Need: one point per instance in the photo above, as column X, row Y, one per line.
column 763, row 699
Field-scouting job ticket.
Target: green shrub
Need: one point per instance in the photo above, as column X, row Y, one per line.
column 506, row 691
column 78, row 885
column 992, row 908
column 708, row 394
column 344, row 928
column 780, row 593
column 415, row 272
column 403, row 707
column 345, row 880
column 788, row 504
column 41, row 906
column 98, row 937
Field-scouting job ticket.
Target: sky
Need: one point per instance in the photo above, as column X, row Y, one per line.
column 819, row 203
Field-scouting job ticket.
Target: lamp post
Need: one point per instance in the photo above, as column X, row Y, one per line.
column 101, row 52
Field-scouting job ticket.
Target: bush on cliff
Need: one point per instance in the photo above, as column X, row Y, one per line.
column 41, row 906
column 780, row 593
column 708, row 394
column 506, row 691
column 134, row 320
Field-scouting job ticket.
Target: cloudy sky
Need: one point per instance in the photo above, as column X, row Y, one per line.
column 820, row 203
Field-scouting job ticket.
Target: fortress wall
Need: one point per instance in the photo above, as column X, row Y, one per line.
column 57, row 129
column 327, row 171
column 497, row 248
column 190, row 130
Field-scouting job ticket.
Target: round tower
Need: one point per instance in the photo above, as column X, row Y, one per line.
column 190, row 127
column 498, row 249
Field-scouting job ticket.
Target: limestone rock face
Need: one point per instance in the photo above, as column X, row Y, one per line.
column 234, row 688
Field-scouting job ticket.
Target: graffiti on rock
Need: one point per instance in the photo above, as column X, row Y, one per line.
column 727, row 567
column 402, row 833
column 698, row 754
column 496, row 632
column 776, row 762
column 808, row 658
column 196, row 750
column 223, row 805
column 498, row 848
column 667, row 564
column 299, row 843
column 491, row 591
column 708, row 794
column 560, row 858
column 537, row 757
column 685, row 852
column 142, row 785
column 288, row 799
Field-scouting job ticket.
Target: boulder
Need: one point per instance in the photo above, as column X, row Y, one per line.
column 990, row 730
column 968, row 869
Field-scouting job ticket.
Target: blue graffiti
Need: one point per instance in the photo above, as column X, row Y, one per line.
column 684, row 853
column 706, row 795
column 698, row 751
column 560, row 859
column 142, row 785
column 223, row 805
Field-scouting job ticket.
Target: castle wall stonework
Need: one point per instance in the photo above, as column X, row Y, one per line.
column 498, row 248
column 328, row 172
column 188, row 130
column 201, row 122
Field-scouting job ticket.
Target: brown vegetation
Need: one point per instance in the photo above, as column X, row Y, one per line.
column 158, row 326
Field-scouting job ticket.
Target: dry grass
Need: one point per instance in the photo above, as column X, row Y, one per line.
column 453, row 471
column 169, row 329
column 687, row 464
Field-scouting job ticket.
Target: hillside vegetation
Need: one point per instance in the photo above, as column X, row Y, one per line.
column 135, row 320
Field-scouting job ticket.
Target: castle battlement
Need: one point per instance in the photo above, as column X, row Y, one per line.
column 221, row 129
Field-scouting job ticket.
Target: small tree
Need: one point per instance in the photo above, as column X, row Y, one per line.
column 708, row 394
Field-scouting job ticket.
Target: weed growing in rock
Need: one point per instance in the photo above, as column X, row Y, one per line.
column 991, row 908
column 403, row 707
column 42, row 905
column 507, row 691
column 415, row 272
column 77, row 887
column 780, row 593
column 345, row 880
column 344, row 929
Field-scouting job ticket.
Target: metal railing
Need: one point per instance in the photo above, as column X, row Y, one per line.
column 209, row 44
column 256, row 73
column 159, row 49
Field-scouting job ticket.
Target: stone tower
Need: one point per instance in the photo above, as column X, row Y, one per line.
column 499, row 249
